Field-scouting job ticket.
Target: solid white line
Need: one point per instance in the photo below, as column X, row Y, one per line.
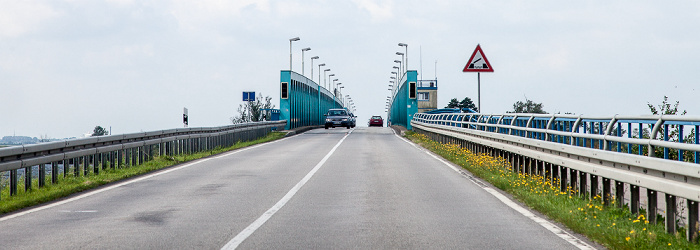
column 97, row 191
column 243, row 235
column 542, row 222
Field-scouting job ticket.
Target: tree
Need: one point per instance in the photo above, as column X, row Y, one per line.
column 528, row 107
column 468, row 103
column 465, row 103
column 99, row 130
column 252, row 111
column 452, row 104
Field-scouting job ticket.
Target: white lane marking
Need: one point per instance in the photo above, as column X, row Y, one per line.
column 243, row 235
column 542, row 222
column 91, row 193
column 80, row 211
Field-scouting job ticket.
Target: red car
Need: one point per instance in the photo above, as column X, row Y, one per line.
column 376, row 121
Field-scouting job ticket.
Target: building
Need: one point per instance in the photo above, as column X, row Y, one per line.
column 427, row 95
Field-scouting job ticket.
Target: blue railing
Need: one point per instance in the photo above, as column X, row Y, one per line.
column 663, row 136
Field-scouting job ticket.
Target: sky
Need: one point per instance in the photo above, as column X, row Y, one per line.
column 68, row 66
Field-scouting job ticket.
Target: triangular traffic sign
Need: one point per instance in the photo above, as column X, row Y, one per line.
column 478, row 62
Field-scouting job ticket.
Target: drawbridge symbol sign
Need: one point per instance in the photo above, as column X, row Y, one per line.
column 478, row 62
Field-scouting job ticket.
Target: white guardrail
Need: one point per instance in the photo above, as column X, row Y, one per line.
column 632, row 152
column 113, row 151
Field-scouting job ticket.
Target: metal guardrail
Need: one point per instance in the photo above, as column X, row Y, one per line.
column 120, row 150
column 574, row 151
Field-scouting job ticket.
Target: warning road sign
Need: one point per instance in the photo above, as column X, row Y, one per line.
column 478, row 62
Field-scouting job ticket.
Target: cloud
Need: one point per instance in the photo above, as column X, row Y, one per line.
column 21, row 17
column 378, row 10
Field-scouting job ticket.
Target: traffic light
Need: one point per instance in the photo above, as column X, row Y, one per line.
column 285, row 92
column 184, row 119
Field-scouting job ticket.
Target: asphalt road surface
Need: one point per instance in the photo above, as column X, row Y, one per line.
column 363, row 188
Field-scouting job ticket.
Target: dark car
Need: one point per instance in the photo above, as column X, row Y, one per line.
column 337, row 118
column 353, row 120
column 376, row 121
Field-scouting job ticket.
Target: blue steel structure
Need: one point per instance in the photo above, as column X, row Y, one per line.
column 403, row 102
column 303, row 102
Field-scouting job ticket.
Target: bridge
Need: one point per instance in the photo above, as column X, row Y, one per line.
column 357, row 188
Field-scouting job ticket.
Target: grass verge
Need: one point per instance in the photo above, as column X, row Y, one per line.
column 615, row 228
column 71, row 185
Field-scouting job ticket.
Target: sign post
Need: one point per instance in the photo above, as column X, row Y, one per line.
column 185, row 118
column 249, row 96
column 478, row 63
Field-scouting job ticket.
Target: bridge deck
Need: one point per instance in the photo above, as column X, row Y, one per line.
column 374, row 191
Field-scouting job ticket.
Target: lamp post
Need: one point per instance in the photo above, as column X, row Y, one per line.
column 329, row 80
column 302, row 59
column 319, row 72
column 334, row 82
column 401, row 54
column 312, row 67
column 400, row 67
column 324, row 78
column 405, row 45
column 290, row 51
column 397, row 73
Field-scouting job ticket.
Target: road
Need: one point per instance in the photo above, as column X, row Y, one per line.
column 338, row 188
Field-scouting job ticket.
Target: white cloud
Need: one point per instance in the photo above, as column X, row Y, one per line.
column 20, row 17
column 378, row 9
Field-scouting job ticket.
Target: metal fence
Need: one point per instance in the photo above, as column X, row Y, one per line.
column 93, row 154
column 658, row 154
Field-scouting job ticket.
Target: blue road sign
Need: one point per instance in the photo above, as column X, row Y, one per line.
column 248, row 96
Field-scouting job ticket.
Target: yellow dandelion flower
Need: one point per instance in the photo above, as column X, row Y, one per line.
column 627, row 239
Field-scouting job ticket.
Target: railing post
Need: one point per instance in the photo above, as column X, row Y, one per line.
column 54, row 172
column 652, row 203
column 28, row 178
column 620, row 193
column 594, row 186
column 634, row 199
column 42, row 175
column 582, row 184
column 574, row 179
column 606, row 192
column 671, row 213
column 693, row 221
column 13, row 182
column 563, row 180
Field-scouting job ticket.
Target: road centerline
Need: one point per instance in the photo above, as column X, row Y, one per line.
column 250, row 229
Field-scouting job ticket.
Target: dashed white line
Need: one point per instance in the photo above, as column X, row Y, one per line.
column 238, row 239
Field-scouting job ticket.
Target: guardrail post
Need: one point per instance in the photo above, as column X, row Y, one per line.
column 28, row 178
column 54, row 172
column 42, row 175
column 120, row 156
column 652, row 203
column 671, row 213
column 86, row 164
column 563, row 180
column 582, row 183
column 574, row 180
column 693, row 221
column 606, row 192
column 134, row 156
column 620, row 193
column 95, row 164
column 141, row 150
column 13, row 182
column 634, row 199
column 594, row 186
column 555, row 173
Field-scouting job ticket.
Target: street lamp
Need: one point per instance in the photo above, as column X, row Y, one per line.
column 324, row 78
column 397, row 72
column 302, row 59
column 329, row 80
column 405, row 45
column 334, row 82
column 290, row 51
column 401, row 54
column 319, row 72
column 312, row 67
column 400, row 66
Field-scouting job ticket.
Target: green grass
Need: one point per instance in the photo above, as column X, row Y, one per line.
column 615, row 228
column 71, row 185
